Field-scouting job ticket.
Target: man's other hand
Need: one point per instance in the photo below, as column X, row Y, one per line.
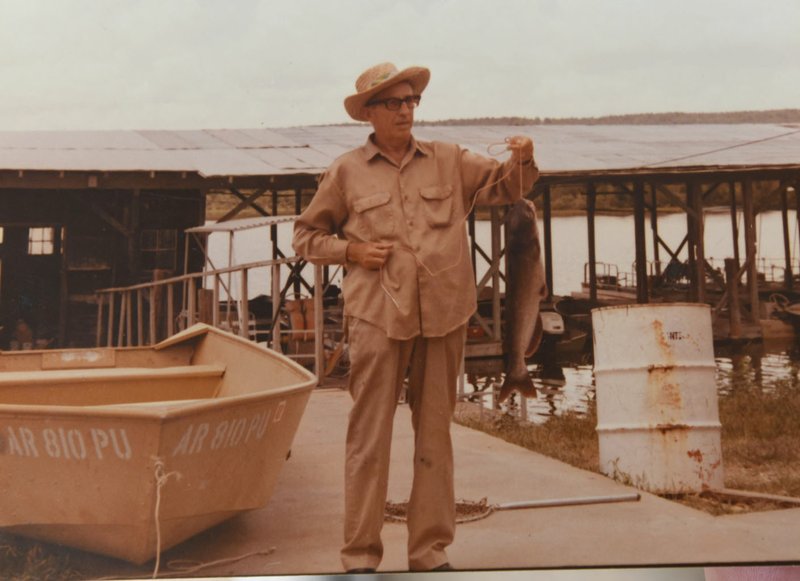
column 370, row 255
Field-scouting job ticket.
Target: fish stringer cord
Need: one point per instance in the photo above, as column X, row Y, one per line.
column 420, row 262
column 161, row 476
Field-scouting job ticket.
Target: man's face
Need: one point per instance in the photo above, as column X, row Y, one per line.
column 392, row 126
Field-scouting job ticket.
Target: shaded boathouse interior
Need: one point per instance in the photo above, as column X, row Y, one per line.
column 87, row 211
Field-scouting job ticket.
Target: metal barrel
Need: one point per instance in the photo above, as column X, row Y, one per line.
column 657, row 411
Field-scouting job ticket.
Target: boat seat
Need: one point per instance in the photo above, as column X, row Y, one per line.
column 110, row 385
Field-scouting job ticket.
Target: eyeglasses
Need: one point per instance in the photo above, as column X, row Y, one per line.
column 394, row 104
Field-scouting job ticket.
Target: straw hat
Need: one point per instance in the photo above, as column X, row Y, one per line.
column 376, row 79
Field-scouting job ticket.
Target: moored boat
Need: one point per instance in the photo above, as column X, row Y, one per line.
column 128, row 451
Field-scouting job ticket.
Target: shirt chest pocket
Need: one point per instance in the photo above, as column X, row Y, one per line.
column 375, row 214
column 437, row 204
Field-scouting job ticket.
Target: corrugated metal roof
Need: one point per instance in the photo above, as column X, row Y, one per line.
column 282, row 151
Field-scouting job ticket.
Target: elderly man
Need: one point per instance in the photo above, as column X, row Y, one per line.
column 393, row 212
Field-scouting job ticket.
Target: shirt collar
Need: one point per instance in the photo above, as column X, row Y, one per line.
column 371, row 150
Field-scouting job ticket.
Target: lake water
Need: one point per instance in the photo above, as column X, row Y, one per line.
column 614, row 244
column 760, row 363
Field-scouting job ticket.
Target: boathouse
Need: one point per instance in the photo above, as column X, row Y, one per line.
column 84, row 211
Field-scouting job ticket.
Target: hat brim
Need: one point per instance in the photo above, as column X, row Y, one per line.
column 418, row 77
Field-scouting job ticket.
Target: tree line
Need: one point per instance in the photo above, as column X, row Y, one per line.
column 671, row 118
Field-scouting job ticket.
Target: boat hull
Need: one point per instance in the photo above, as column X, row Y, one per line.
column 131, row 479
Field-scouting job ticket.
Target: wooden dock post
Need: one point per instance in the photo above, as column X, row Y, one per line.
column 750, row 249
column 735, row 315
column 205, row 305
column 591, row 196
column 697, row 253
column 654, row 229
column 787, row 245
column 496, row 308
column 548, row 242
column 734, row 221
column 642, row 294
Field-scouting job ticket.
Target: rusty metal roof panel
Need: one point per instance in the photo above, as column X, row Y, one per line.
column 577, row 148
column 269, row 138
column 97, row 160
column 203, row 139
column 331, row 150
column 312, row 157
column 251, row 139
column 559, row 148
column 167, row 139
column 232, row 162
column 286, row 159
column 73, row 140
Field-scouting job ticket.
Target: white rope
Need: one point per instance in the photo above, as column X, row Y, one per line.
column 189, row 566
column 181, row 566
column 161, row 476
column 462, row 219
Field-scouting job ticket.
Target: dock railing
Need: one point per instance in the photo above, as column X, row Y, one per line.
column 145, row 313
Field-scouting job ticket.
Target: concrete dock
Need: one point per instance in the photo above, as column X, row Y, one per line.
column 303, row 521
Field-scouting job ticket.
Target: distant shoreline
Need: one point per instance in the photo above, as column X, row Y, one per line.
column 769, row 116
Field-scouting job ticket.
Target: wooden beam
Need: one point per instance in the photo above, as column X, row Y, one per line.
column 99, row 335
column 244, row 315
column 245, row 202
column 787, row 245
column 497, row 224
column 97, row 209
column 139, row 317
column 654, row 229
column 750, row 249
column 699, row 241
column 590, row 215
column 63, row 283
column 133, row 226
column 683, row 205
column 796, row 188
column 273, row 229
column 691, row 234
column 734, row 221
column 642, row 294
column 711, row 190
column 735, row 315
column 765, row 199
column 494, row 269
column 548, row 242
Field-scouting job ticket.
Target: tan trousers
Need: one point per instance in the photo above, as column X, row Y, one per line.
column 378, row 366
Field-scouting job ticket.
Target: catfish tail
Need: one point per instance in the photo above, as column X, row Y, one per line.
column 517, row 382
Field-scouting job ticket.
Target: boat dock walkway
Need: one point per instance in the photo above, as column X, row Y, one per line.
column 303, row 521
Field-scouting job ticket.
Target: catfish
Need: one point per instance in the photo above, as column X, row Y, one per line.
column 525, row 288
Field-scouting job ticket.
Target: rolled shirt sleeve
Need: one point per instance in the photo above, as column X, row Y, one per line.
column 317, row 231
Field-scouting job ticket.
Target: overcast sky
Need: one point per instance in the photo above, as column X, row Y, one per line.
column 184, row 64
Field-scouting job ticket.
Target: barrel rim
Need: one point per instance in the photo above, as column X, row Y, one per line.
column 651, row 306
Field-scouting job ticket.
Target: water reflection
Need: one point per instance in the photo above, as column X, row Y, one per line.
column 755, row 365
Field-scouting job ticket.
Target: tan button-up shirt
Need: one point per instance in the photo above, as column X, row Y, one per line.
column 427, row 284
